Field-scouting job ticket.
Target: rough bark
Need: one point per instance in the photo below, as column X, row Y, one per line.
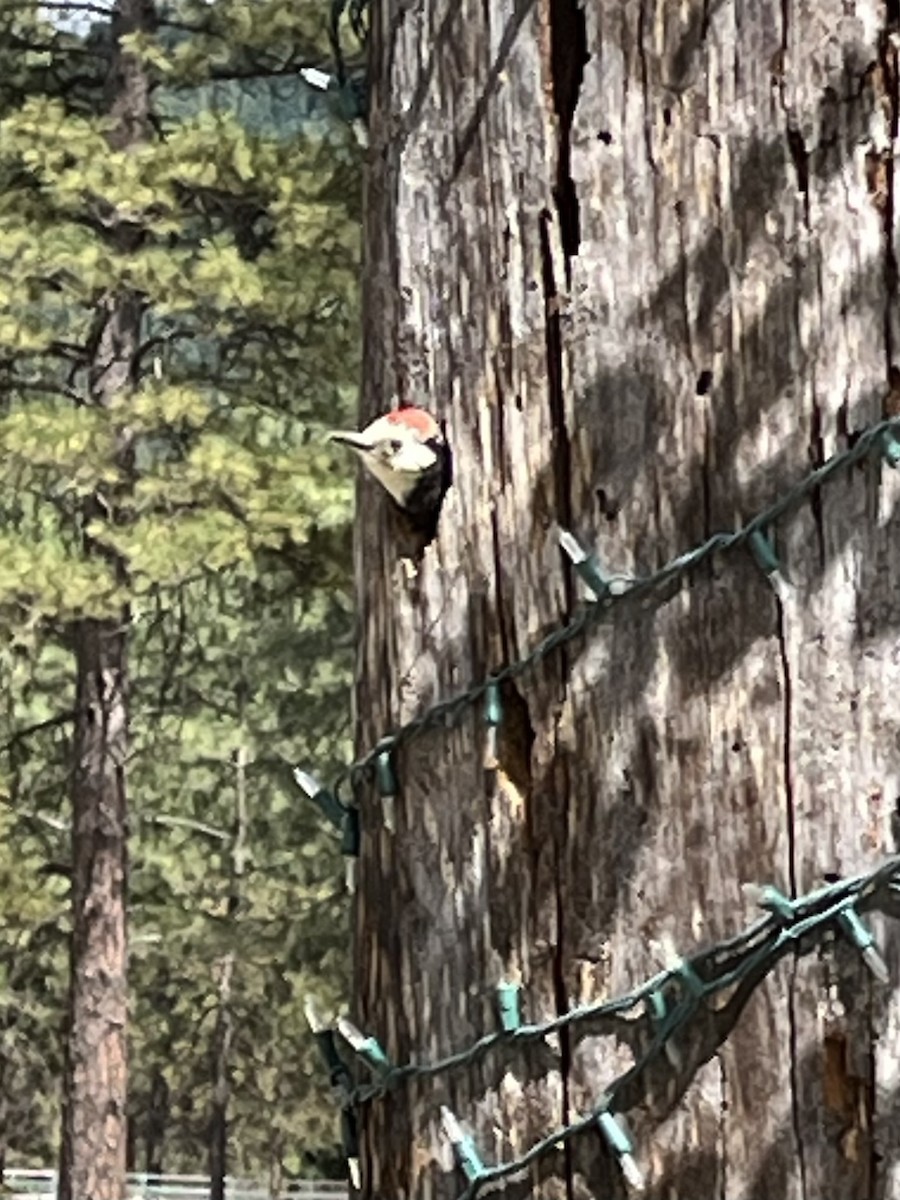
column 94, row 1143
column 94, row 1085
column 223, row 1035
column 641, row 258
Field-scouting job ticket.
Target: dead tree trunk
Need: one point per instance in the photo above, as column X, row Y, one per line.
column 94, row 1143
column 641, row 258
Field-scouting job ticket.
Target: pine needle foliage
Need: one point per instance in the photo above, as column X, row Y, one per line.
column 203, row 503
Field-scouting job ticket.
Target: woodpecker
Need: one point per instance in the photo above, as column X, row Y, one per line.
column 407, row 453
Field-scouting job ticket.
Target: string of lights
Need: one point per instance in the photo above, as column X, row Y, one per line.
column 671, row 999
column 611, row 591
column 606, row 592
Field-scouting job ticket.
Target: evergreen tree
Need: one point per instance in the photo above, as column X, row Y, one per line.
column 177, row 324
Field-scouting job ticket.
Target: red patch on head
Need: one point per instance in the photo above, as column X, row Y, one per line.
column 415, row 418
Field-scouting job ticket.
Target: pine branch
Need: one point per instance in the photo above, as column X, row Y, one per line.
column 170, row 822
column 64, row 6
column 28, row 731
column 48, row 386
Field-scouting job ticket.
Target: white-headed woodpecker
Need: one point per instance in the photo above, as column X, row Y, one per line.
column 408, row 454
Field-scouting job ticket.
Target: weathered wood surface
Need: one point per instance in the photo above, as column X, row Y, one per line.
column 640, row 258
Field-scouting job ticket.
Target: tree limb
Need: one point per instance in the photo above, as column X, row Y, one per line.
column 29, row 730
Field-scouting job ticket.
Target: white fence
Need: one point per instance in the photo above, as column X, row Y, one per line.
column 27, row 1185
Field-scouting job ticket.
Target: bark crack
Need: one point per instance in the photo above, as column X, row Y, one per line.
column 516, row 735
column 787, row 747
column 889, row 64
column 796, row 1116
column 559, row 978
column 502, row 623
column 684, row 282
column 562, row 484
column 723, row 1140
column 562, row 450
column 796, row 145
column 568, row 56
column 800, row 159
column 871, row 1092
column 793, row 1036
column 817, row 457
column 645, row 87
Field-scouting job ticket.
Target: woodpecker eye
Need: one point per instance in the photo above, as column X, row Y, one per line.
column 396, row 445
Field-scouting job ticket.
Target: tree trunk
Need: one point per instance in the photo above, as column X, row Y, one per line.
column 4, row 1107
column 640, row 257
column 157, row 1122
column 276, row 1163
column 94, row 1086
column 221, row 1089
column 94, row 1136
column 223, row 1035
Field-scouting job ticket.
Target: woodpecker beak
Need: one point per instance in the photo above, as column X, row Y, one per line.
column 353, row 439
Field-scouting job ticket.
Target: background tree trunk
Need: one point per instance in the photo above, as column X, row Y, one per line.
column 94, row 1088
column 221, row 1081
column 157, row 1122
column 223, row 1034
column 94, row 1143
column 641, row 258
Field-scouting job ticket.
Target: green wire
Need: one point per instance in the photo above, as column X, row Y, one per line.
column 449, row 710
column 798, row 924
column 745, row 958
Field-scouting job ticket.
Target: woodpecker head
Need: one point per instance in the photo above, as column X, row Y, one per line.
column 408, row 455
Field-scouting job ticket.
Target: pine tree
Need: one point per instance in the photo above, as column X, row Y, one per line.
column 95, row 1078
column 177, row 323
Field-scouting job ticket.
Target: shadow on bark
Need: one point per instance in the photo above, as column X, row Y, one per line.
column 682, row 72
column 637, row 424
column 700, row 1167
column 589, row 1165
